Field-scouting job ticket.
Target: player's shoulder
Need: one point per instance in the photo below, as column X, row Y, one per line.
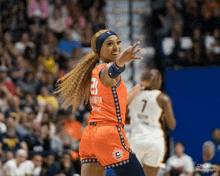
column 163, row 97
column 98, row 67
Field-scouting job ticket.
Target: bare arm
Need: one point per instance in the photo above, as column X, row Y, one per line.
column 127, row 56
column 165, row 103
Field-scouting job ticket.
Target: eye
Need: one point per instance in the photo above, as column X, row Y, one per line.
column 109, row 44
column 119, row 42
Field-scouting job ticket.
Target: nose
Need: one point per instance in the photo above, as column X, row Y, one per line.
column 115, row 47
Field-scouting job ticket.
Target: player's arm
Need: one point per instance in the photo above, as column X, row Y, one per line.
column 134, row 91
column 110, row 75
column 165, row 103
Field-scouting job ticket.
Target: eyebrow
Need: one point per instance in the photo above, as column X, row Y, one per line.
column 112, row 40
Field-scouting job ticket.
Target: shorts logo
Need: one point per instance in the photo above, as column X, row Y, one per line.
column 117, row 154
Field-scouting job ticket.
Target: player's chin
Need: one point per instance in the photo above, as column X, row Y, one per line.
column 114, row 56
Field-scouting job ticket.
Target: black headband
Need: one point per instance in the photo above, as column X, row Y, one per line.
column 102, row 38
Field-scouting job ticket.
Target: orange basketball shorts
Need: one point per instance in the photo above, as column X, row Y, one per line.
column 104, row 143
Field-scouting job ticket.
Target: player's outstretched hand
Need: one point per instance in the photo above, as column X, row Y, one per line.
column 128, row 55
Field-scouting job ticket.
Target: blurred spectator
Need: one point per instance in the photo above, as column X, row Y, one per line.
column 179, row 164
column 3, row 127
column 52, row 43
column 28, row 104
column 212, row 44
column 67, row 45
column 56, row 23
column 208, row 160
column 6, row 60
column 197, row 54
column 46, row 59
column 58, row 4
column 17, row 166
column 50, row 101
column 21, row 22
column 192, row 16
column 37, row 27
column 65, row 166
column 76, row 14
column 8, row 14
column 33, row 138
column 168, row 20
column 40, row 5
column 20, row 68
column 8, row 45
column 61, row 142
column 23, row 44
column 29, row 82
column 48, row 168
column 50, row 80
column 93, row 15
column 6, row 89
column 77, row 32
column 73, row 127
column 71, row 64
column 45, row 137
column 11, row 140
column 87, row 35
column 37, row 161
column 208, row 18
column 34, row 166
column 176, row 48
column 216, row 138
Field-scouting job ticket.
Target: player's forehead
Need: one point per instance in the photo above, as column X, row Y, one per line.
column 112, row 38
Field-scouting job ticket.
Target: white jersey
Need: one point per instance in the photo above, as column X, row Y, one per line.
column 145, row 114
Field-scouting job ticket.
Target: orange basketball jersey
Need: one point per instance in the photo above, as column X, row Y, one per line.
column 108, row 103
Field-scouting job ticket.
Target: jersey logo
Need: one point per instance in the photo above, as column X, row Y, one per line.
column 117, row 154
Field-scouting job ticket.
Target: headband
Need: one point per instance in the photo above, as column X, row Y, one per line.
column 102, row 38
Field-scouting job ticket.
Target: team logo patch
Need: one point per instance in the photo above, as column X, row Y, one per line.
column 117, row 154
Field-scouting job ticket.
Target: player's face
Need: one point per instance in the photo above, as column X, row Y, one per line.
column 110, row 49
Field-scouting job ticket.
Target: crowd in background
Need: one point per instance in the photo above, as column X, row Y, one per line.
column 40, row 41
column 187, row 32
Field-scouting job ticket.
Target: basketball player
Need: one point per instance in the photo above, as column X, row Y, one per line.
column 103, row 144
column 148, row 107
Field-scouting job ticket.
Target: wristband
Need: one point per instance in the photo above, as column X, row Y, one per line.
column 114, row 70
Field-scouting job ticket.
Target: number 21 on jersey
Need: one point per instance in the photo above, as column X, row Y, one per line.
column 94, row 84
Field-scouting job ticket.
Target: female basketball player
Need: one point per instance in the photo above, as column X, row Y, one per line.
column 97, row 77
column 148, row 107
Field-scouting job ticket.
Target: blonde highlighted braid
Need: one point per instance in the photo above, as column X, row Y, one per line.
column 74, row 87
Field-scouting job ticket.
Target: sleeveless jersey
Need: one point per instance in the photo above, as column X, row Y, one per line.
column 108, row 103
column 145, row 114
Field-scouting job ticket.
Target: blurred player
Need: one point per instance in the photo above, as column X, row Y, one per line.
column 103, row 144
column 148, row 107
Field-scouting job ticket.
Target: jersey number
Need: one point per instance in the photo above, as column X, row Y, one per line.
column 144, row 106
column 94, row 83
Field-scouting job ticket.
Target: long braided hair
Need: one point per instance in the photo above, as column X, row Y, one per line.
column 74, row 87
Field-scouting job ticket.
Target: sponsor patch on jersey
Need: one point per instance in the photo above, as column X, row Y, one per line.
column 117, row 154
